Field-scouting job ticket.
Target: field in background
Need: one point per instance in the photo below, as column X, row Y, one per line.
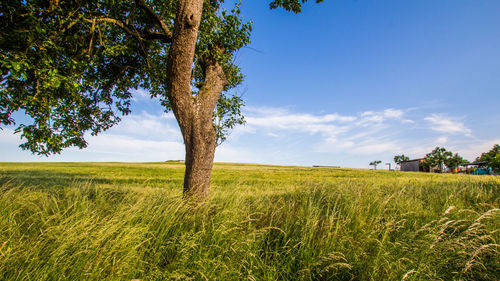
column 120, row 221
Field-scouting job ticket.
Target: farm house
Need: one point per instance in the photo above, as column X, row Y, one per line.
column 412, row 165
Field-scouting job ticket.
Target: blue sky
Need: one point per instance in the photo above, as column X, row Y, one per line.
column 343, row 83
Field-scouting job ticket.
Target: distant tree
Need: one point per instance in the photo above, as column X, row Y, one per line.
column 437, row 158
column 425, row 166
column 494, row 163
column 398, row 159
column 490, row 155
column 454, row 161
column 375, row 163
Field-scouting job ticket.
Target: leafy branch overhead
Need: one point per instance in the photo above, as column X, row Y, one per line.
column 71, row 66
column 290, row 5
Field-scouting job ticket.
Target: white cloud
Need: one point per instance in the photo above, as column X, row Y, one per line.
column 109, row 147
column 361, row 134
column 445, row 124
column 471, row 151
column 330, row 124
column 369, row 118
column 302, row 122
column 231, row 153
column 141, row 95
column 7, row 136
column 371, row 144
column 144, row 125
column 139, row 137
column 374, row 147
column 442, row 141
column 273, row 120
column 393, row 113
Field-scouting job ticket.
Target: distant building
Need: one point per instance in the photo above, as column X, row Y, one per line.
column 477, row 168
column 412, row 165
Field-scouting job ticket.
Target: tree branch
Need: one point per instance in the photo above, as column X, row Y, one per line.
column 146, row 36
column 142, row 4
column 213, row 85
column 120, row 24
column 157, row 36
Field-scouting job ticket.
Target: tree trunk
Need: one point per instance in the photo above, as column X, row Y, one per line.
column 200, row 150
column 193, row 113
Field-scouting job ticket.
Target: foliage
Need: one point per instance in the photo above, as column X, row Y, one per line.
column 494, row 163
column 111, row 221
column 227, row 115
column 400, row 158
column 437, row 157
column 425, row 166
column 375, row 163
column 290, row 5
column 454, row 161
column 490, row 155
column 70, row 66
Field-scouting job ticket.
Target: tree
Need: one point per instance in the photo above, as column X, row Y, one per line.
column 454, row 161
column 494, row 163
column 490, row 155
column 71, row 66
column 437, row 158
column 400, row 158
column 375, row 163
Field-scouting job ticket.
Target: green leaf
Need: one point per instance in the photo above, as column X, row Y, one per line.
column 16, row 65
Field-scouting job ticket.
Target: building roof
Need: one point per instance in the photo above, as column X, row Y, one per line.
column 417, row 159
column 475, row 163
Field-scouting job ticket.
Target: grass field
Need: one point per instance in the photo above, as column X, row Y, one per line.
column 118, row 221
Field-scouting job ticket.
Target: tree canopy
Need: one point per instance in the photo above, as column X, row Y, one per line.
column 492, row 157
column 437, row 157
column 400, row 158
column 71, row 66
column 454, row 161
column 495, row 163
column 375, row 163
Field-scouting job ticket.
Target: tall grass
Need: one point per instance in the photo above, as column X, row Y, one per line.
column 128, row 221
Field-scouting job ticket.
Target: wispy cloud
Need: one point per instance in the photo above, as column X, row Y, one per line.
column 148, row 126
column 442, row 141
column 123, row 148
column 363, row 133
column 445, row 124
column 374, row 146
column 141, row 95
column 471, row 151
column 7, row 136
column 368, row 118
column 280, row 119
column 139, row 137
column 330, row 123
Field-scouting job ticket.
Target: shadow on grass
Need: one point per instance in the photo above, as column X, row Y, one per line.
column 47, row 178
column 54, row 178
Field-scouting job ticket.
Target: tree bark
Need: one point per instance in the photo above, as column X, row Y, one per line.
column 200, row 150
column 193, row 113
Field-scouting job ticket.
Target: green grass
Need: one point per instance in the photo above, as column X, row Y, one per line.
column 118, row 221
